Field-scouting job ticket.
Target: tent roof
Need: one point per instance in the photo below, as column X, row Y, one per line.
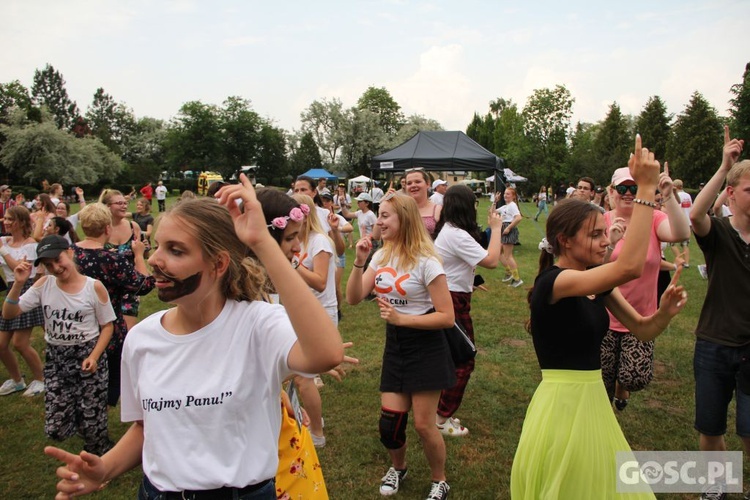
column 317, row 173
column 510, row 176
column 361, row 178
column 437, row 151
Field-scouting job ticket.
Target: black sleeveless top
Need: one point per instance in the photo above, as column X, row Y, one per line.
column 568, row 334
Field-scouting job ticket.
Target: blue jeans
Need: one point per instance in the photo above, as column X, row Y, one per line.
column 716, row 367
column 148, row 491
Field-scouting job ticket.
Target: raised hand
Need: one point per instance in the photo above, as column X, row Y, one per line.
column 643, row 166
column 616, row 230
column 665, row 182
column 82, row 474
column 732, row 149
column 249, row 223
column 494, row 221
column 362, row 250
column 22, row 271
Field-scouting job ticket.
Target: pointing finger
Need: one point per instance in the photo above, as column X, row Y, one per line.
column 666, row 167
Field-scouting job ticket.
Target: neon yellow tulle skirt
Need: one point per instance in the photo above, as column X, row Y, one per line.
column 569, row 441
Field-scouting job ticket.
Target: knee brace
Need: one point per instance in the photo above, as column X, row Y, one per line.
column 393, row 428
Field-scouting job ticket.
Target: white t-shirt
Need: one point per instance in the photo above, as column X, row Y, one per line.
column 509, row 211
column 406, row 291
column 365, row 221
column 323, row 218
column 437, row 198
column 686, row 202
column 69, row 318
column 209, row 400
column 161, row 192
column 460, row 253
column 317, row 243
column 28, row 250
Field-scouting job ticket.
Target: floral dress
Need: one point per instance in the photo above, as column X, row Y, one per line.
column 130, row 302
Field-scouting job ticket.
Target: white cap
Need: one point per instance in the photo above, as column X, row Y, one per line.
column 438, row 182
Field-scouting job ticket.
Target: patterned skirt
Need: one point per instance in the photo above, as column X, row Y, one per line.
column 30, row 319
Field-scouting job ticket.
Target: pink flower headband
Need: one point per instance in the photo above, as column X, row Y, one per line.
column 297, row 214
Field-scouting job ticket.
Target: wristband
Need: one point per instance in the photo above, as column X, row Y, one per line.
column 11, row 301
column 4, row 251
column 359, row 267
column 675, row 267
column 645, row 203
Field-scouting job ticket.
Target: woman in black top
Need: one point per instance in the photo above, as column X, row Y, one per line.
column 570, row 435
column 142, row 216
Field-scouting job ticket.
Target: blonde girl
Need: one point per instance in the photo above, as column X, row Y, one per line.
column 511, row 217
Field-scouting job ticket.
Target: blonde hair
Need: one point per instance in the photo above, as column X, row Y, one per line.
column 737, row 172
column 412, row 241
column 212, row 226
column 108, row 194
column 312, row 222
column 94, row 219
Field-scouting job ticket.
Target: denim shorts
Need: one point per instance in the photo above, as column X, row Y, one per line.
column 716, row 368
column 148, row 491
column 341, row 260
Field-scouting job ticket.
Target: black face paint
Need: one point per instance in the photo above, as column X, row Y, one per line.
column 180, row 288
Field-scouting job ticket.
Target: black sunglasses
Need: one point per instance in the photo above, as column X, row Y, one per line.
column 622, row 189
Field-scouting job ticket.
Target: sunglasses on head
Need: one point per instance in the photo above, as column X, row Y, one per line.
column 415, row 169
column 622, row 189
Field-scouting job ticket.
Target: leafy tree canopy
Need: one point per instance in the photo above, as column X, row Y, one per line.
column 49, row 90
column 379, row 101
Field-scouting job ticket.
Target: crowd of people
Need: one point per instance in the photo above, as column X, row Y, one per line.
column 254, row 278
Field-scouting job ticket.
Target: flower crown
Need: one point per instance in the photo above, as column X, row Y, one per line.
column 296, row 214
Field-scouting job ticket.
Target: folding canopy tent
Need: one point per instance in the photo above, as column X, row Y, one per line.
column 439, row 151
column 360, row 181
column 317, row 173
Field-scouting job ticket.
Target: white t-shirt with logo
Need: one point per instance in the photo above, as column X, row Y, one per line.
column 209, row 400
column 69, row 318
column 460, row 253
column 406, row 290
column 161, row 192
column 686, row 203
column 366, row 222
column 509, row 211
column 317, row 243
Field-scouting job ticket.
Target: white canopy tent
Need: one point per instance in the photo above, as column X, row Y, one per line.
column 360, row 181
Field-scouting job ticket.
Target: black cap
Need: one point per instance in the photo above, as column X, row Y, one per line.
column 326, row 195
column 50, row 247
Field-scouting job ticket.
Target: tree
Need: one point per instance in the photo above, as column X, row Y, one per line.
column 582, row 161
column 612, row 143
column 325, row 120
column 42, row 151
column 272, row 161
column 305, row 155
column 411, row 125
column 13, row 95
column 240, row 134
column 364, row 137
column 697, row 142
column 111, row 122
column 194, row 139
column 49, row 90
column 388, row 111
column 740, row 108
column 654, row 126
column 547, row 119
column 144, row 150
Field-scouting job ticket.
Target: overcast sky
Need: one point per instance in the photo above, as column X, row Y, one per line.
column 444, row 60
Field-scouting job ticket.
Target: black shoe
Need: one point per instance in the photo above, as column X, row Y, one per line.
column 621, row 404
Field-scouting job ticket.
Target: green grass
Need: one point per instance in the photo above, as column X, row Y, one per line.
column 658, row 418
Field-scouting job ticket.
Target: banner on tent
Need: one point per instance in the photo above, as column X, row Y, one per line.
column 386, row 164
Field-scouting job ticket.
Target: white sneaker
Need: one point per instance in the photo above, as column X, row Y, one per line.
column 507, row 278
column 439, row 491
column 318, row 441
column 516, row 283
column 34, row 388
column 390, row 483
column 453, row 427
column 10, row 386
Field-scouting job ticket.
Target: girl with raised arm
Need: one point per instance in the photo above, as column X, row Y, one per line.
column 570, row 436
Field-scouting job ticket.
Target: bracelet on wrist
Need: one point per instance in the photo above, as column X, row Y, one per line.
column 665, row 200
column 359, row 267
column 645, row 203
column 11, row 301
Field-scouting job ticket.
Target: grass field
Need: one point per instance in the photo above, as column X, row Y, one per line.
column 658, row 418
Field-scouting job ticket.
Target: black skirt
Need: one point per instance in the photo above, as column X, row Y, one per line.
column 416, row 361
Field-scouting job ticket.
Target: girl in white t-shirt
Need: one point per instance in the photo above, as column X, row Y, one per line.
column 458, row 245
column 366, row 218
column 511, row 217
column 201, row 380
column 408, row 278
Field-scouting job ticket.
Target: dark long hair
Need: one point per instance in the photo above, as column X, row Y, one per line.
column 565, row 220
column 63, row 227
column 275, row 204
column 459, row 208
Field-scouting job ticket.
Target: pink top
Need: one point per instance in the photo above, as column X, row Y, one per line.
column 430, row 222
column 641, row 292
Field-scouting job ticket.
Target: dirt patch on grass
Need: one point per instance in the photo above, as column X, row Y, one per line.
column 514, row 342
